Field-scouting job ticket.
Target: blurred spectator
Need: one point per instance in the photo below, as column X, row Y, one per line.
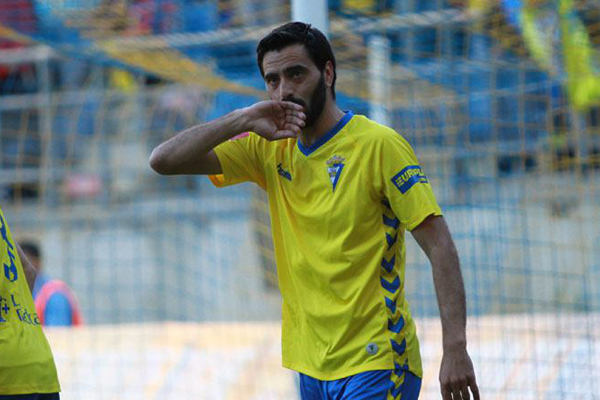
column 368, row 7
column 19, row 16
column 136, row 17
column 55, row 302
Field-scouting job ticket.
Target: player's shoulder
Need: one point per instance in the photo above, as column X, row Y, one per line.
column 371, row 132
column 246, row 138
column 254, row 139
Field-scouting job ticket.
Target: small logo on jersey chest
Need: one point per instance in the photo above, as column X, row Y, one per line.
column 335, row 165
column 283, row 172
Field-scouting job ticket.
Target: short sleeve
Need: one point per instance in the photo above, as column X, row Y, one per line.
column 404, row 183
column 241, row 160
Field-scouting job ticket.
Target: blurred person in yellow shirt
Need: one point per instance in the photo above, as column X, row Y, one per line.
column 27, row 370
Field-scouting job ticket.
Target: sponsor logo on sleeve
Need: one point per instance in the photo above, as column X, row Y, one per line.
column 408, row 177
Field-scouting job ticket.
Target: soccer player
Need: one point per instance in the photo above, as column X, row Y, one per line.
column 27, row 370
column 342, row 191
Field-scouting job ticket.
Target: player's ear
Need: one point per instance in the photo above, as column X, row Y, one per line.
column 328, row 73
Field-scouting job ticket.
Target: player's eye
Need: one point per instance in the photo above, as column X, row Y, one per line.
column 272, row 81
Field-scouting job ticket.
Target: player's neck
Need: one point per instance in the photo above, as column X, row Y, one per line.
column 329, row 118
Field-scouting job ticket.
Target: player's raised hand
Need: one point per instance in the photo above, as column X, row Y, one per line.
column 457, row 376
column 275, row 120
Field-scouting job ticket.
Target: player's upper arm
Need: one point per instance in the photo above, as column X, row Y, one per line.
column 433, row 233
column 28, row 268
column 208, row 164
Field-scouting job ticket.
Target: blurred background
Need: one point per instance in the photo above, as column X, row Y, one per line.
column 175, row 281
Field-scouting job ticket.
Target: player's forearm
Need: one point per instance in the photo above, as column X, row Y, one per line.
column 183, row 152
column 450, row 292
column 30, row 271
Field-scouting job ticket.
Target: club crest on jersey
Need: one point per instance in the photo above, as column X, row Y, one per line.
column 335, row 165
column 408, row 177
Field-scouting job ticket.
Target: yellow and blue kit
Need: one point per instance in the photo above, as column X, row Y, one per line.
column 339, row 210
column 26, row 362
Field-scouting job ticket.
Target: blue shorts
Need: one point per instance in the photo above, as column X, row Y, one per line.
column 370, row 385
column 36, row 396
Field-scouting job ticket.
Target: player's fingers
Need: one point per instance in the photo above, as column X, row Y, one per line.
column 456, row 394
column 460, row 388
column 290, row 119
column 446, row 393
column 278, row 109
column 293, row 127
column 291, row 106
column 474, row 388
column 280, row 112
column 295, row 113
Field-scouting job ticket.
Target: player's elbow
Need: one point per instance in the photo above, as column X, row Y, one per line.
column 160, row 163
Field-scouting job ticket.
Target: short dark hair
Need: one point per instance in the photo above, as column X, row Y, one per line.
column 314, row 41
column 30, row 247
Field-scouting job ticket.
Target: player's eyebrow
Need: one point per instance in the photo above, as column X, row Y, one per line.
column 271, row 75
column 295, row 68
column 287, row 71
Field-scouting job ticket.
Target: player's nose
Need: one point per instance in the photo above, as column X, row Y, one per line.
column 286, row 90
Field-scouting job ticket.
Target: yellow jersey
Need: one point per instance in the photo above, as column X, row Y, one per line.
column 339, row 210
column 26, row 362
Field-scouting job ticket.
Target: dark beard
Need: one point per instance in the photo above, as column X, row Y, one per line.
column 317, row 103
